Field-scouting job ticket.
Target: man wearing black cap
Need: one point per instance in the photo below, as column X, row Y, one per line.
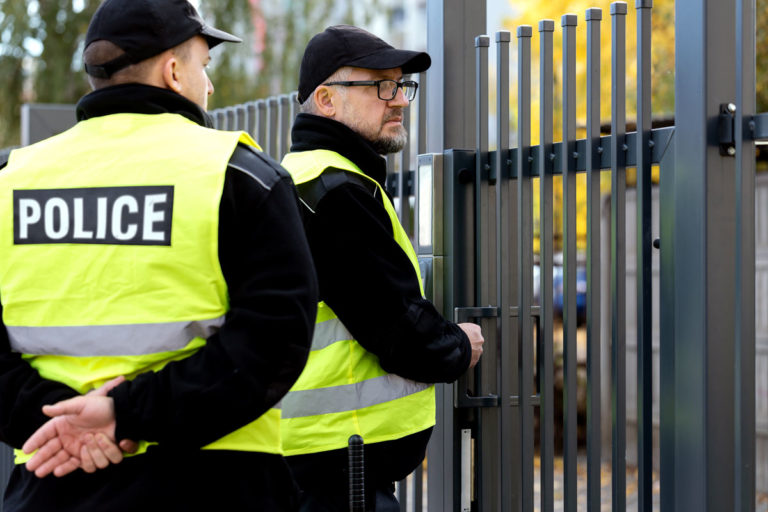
column 378, row 344
column 156, row 286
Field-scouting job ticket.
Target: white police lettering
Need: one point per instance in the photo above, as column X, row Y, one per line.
column 28, row 212
column 107, row 215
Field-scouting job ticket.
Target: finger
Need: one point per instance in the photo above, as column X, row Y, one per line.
column 107, row 386
column 109, row 449
column 70, row 406
column 47, row 467
column 48, row 450
column 129, row 446
column 89, row 457
column 69, row 466
column 97, row 454
column 41, row 436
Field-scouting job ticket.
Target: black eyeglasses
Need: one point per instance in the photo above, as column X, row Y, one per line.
column 387, row 89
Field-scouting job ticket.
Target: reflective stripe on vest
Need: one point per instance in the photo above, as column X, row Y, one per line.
column 124, row 340
column 343, row 390
column 110, row 254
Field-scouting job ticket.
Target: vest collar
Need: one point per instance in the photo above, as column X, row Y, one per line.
column 139, row 99
column 312, row 132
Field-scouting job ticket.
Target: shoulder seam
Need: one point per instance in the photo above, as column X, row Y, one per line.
column 250, row 174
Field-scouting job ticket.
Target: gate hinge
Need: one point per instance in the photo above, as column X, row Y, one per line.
column 725, row 129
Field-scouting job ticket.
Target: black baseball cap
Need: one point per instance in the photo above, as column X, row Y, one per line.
column 145, row 28
column 345, row 45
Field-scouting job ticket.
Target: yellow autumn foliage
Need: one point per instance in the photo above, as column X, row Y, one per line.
column 530, row 12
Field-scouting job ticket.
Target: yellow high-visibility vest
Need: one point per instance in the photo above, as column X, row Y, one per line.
column 343, row 389
column 109, row 236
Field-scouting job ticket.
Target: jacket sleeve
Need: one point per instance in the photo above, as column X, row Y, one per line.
column 370, row 283
column 23, row 392
column 259, row 352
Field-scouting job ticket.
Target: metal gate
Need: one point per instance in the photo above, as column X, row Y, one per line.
column 475, row 228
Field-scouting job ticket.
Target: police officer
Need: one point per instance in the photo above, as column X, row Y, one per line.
column 379, row 344
column 156, row 286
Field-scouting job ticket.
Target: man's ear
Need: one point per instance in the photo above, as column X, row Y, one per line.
column 170, row 72
column 324, row 99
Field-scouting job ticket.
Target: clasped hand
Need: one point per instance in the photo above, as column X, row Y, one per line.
column 80, row 434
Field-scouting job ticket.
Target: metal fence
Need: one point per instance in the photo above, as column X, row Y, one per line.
column 480, row 240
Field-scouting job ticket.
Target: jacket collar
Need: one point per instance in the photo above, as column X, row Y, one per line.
column 139, row 99
column 312, row 132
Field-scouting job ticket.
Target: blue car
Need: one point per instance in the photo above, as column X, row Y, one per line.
column 557, row 290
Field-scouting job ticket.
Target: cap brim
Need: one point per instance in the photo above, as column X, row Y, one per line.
column 215, row 36
column 408, row 61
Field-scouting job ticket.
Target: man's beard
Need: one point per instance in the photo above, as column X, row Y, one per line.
column 385, row 145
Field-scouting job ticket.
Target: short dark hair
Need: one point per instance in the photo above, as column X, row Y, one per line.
column 104, row 51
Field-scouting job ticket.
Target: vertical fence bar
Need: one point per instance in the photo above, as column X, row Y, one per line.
column 231, row 115
column 486, row 460
column 402, row 494
column 593, row 18
column 667, row 326
column 570, row 416
column 221, row 119
column 405, row 168
column 242, row 117
column 250, row 118
column 546, row 364
column 643, row 274
column 509, row 466
column 744, row 477
column 260, row 123
column 418, row 488
column 422, row 113
column 618, row 256
column 284, row 126
column 525, row 261
column 294, row 101
column 272, row 133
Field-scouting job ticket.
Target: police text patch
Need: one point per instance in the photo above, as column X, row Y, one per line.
column 108, row 215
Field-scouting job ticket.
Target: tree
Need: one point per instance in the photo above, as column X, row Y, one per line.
column 41, row 43
column 530, row 12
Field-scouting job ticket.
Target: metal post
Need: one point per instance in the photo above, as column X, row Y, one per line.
column 714, row 234
column 449, row 111
column 744, row 307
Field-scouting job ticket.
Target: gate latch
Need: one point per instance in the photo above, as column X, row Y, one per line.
column 462, row 398
column 725, row 129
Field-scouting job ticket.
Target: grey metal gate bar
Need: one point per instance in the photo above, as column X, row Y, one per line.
column 524, row 262
column 509, row 465
column 618, row 147
column 593, row 18
column 568, row 163
column 546, row 170
column 643, row 261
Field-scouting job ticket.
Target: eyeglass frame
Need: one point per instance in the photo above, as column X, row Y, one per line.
column 398, row 85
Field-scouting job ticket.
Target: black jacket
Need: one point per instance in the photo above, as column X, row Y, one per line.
column 370, row 283
column 242, row 371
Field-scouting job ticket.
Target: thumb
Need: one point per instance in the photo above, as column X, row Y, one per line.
column 107, row 386
column 129, row 446
column 72, row 406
